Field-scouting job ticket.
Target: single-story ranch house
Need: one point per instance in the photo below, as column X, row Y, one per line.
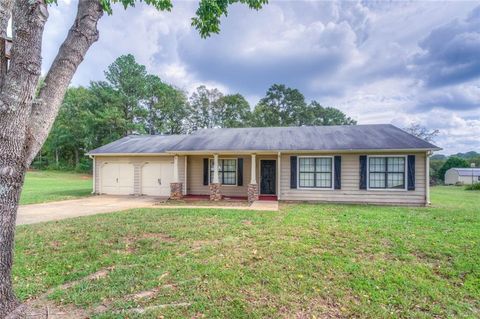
column 379, row 164
column 462, row 176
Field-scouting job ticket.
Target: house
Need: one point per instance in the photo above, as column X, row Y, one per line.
column 462, row 176
column 379, row 164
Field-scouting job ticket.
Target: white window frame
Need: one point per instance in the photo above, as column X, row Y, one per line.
column 316, row 188
column 210, row 160
column 405, row 173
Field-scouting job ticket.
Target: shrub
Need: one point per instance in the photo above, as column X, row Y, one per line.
column 473, row 187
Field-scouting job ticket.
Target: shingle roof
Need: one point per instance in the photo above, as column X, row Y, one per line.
column 341, row 137
column 306, row 138
column 140, row 144
column 467, row 171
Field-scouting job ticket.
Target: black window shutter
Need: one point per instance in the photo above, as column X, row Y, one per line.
column 338, row 172
column 205, row 171
column 363, row 172
column 240, row 172
column 411, row 172
column 293, row 172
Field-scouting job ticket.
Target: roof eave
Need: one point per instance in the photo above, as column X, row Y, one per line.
column 197, row 152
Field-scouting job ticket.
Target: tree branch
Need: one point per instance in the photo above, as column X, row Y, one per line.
column 81, row 36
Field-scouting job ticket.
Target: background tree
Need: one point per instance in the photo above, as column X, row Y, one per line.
column 167, row 107
column 284, row 106
column 26, row 119
column 281, row 106
column 234, row 111
column 127, row 80
column 422, row 132
column 451, row 162
column 204, row 108
column 319, row 115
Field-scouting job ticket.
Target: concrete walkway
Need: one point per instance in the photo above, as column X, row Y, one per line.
column 37, row 213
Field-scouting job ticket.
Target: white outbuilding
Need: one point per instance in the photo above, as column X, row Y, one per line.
column 462, row 176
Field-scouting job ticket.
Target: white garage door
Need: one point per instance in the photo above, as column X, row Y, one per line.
column 156, row 178
column 117, row 179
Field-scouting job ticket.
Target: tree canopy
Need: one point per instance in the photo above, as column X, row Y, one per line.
column 132, row 101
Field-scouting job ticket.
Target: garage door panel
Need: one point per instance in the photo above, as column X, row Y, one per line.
column 156, row 178
column 117, row 179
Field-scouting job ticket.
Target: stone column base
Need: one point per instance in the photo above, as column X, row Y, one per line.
column 215, row 193
column 176, row 191
column 252, row 192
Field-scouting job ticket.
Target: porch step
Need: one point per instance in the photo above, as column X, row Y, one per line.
column 268, row 197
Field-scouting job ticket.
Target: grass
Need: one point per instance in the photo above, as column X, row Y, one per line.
column 305, row 261
column 47, row 186
column 473, row 187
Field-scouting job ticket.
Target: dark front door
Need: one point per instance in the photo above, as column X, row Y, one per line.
column 267, row 177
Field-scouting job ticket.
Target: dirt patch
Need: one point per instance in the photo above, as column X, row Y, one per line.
column 49, row 310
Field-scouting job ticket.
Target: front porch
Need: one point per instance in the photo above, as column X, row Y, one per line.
column 217, row 176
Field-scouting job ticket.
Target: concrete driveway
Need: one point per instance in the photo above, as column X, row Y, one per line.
column 36, row 213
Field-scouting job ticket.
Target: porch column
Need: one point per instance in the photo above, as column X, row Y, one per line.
column 215, row 169
column 253, row 186
column 175, row 169
column 215, row 193
column 253, row 176
column 176, row 187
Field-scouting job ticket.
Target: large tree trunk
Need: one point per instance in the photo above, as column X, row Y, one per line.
column 15, row 102
column 25, row 123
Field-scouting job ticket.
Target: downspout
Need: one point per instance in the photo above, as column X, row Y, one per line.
column 427, row 178
column 93, row 173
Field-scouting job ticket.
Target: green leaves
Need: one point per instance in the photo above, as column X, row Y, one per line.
column 161, row 5
column 207, row 17
column 209, row 12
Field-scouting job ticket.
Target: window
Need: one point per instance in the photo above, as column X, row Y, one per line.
column 386, row 172
column 227, row 171
column 315, row 172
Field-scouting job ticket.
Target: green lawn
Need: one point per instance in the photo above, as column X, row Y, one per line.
column 305, row 261
column 47, row 186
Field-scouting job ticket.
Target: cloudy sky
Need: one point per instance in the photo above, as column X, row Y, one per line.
column 398, row 62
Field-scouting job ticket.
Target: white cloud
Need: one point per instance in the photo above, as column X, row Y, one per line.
column 353, row 55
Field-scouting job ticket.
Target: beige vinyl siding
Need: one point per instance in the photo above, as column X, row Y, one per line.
column 195, row 177
column 350, row 192
column 137, row 162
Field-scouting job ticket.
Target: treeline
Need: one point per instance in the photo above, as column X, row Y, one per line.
column 131, row 101
column 439, row 164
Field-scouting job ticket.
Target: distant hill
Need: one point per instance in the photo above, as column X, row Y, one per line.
column 439, row 157
column 467, row 155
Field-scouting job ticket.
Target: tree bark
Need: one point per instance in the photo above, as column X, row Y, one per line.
column 5, row 13
column 15, row 102
column 24, row 123
column 77, row 157
column 81, row 36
